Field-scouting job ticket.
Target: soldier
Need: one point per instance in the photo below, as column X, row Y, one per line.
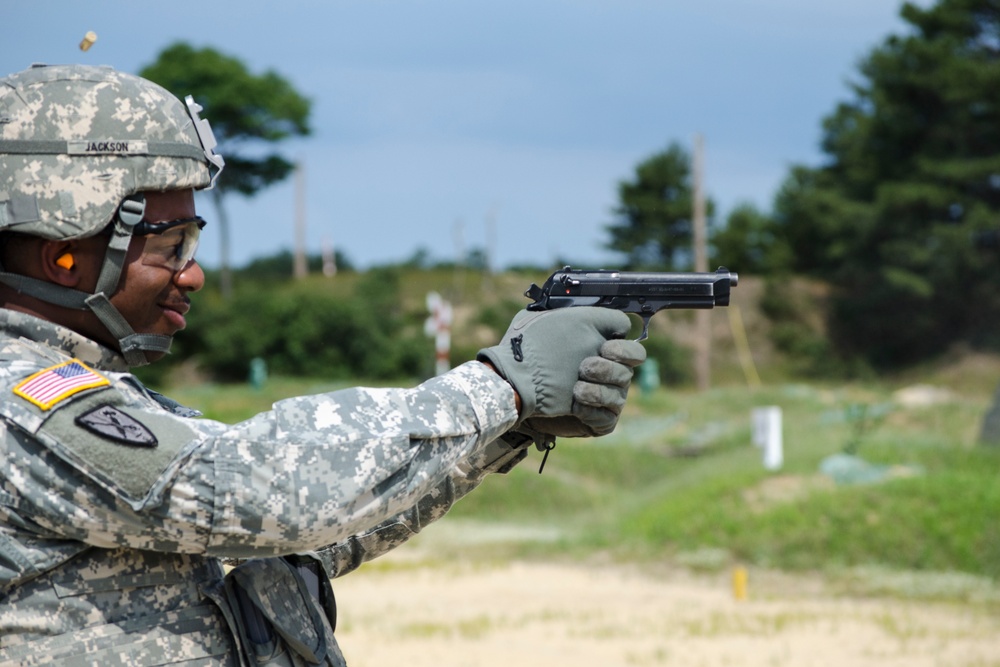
column 117, row 505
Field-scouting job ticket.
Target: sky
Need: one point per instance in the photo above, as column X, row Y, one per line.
column 453, row 125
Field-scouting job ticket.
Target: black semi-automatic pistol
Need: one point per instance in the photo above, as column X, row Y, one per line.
column 644, row 294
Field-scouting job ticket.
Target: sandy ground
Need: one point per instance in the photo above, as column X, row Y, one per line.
column 402, row 611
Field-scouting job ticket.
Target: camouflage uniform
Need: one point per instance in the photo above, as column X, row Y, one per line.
column 111, row 545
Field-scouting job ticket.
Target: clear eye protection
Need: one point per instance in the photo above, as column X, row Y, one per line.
column 170, row 245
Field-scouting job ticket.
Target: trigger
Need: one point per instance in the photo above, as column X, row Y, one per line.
column 645, row 327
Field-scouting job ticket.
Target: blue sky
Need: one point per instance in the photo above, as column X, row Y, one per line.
column 434, row 117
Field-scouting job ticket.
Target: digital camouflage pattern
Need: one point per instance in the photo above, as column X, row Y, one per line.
column 67, row 162
column 114, row 549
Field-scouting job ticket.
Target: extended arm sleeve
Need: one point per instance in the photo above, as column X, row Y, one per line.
column 498, row 457
column 312, row 471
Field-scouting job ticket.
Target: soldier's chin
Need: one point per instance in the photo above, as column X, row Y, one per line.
column 153, row 357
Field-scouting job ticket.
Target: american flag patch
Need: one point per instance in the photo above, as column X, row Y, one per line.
column 48, row 387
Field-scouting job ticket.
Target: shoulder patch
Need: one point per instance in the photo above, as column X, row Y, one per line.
column 111, row 423
column 49, row 387
column 129, row 464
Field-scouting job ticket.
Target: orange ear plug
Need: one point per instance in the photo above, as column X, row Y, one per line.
column 65, row 261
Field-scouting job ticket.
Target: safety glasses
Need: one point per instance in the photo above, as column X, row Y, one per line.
column 170, row 244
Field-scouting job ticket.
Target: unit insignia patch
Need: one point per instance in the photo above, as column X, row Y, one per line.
column 109, row 422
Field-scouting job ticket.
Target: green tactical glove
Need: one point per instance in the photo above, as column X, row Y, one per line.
column 599, row 395
column 554, row 361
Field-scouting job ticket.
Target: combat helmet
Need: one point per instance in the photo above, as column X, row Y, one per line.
column 78, row 147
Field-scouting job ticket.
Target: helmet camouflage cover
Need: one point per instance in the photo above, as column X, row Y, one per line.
column 78, row 147
column 76, row 140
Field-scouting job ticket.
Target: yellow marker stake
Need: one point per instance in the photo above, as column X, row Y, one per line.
column 740, row 577
column 743, row 346
column 88, row 40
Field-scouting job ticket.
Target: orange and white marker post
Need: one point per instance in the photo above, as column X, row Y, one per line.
column 438, row 327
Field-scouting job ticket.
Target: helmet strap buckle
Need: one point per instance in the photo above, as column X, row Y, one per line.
column 132, row 210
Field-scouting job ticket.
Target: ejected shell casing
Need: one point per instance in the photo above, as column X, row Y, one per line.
column 88, row 40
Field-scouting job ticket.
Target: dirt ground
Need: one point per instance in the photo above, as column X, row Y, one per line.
column 453, row 613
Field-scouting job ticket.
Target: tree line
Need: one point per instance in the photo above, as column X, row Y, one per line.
column 902, row 218
column 900, row 221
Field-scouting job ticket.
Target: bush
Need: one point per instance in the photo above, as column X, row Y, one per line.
column 673, row 360
column 303, row 329
column 797, row 315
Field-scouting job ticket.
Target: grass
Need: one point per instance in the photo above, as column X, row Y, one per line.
column 680, row 478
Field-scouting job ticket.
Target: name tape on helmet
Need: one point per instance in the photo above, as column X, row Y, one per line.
column 107, row 147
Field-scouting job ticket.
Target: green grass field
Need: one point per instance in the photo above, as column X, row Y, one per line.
column 680, row 478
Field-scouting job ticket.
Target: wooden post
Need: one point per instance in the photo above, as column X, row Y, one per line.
column 703, row 325
column 300, row 267
column 225, row 273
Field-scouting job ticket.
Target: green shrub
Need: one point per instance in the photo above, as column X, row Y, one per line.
column 673, row 360
column 797, row 317
column 304, row 329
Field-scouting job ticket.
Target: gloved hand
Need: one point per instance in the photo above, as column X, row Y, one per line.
column 554, row 361
column 599, row 395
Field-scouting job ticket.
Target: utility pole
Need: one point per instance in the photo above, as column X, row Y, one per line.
column 458, row 235
column 491, row 245
column 329, row 258
column 703, row 325
column 225, row 272
column 300, row 267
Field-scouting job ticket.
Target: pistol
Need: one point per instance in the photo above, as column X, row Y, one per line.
column 644, row 294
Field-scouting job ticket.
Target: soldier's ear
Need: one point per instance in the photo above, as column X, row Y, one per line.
column 58, row 263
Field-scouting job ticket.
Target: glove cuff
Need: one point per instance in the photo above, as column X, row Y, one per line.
column 517, row 378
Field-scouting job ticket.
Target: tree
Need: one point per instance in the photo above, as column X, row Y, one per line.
column 653, row 227
column 913, row 175
column 750, row 243
column 247, row 111
column 277, row 266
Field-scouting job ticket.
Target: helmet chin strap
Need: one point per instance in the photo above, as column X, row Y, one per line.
column 133, row 345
